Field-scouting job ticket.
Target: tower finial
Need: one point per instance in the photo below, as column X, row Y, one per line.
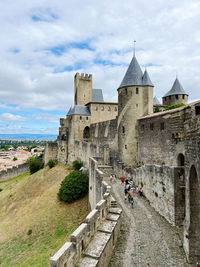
column 134, row 48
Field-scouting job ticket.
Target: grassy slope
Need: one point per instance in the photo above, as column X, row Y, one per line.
column 30, row 202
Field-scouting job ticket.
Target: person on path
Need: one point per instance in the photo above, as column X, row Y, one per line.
column 132, row 202
column 114, row 178
column 129, row 197
column 111, row 178
column 122, row 180
column 141, row 192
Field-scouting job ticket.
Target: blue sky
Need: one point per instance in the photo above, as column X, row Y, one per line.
column 44, row 43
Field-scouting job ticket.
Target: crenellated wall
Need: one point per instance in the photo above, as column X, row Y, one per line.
column 14, row 172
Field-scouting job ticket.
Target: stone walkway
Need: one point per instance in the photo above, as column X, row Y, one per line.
column 146, row 237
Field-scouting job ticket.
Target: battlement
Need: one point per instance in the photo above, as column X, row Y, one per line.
column 83, row 76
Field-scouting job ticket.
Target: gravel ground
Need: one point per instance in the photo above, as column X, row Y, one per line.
column 146, row 237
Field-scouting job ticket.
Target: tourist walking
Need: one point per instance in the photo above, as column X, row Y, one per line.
column 122, row 180
column 111, row 178
column 132, row 202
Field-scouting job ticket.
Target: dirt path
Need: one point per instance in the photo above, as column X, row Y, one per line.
column 146, row 237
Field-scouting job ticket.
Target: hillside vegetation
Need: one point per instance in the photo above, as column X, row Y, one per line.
column 28, row 204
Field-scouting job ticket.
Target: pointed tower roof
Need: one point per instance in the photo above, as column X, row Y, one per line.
column 133, row 74
column 146, row 79
column 156, row 101
column 176, row 89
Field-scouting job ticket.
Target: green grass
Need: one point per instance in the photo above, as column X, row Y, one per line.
column 29, row 202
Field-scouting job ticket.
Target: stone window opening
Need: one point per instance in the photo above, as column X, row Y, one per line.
column 170, row 97
column 181, row 160
column 162, row 126
column 176, row 96
column 109, row 108
column 86, row 118
column 86, row 132
column 126, row 91
column 136, row 105
column 197, row 109
column 64, row 137
column 125, row 146
column 80, row 117
column 137, row 91
column 102, row 213
column 183, row 96
column 142, row 127
column 123, row 129
column 82, row 245
column 151, row 126
column 115, row 108
column 102, row 108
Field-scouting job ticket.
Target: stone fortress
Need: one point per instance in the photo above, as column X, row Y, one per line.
column 161, row 150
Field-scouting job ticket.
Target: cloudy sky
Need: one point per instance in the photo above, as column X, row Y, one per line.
column 44, row 43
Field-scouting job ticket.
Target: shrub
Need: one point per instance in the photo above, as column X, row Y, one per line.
column 77, row 164
column 174, row 106
column 157, row 109
column 51, row 163
column 74, row 186
column 29, row 232
column 35, row 165
column 1, row 189
column 15, row 158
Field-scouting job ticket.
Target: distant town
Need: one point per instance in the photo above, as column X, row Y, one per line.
column 16, row 152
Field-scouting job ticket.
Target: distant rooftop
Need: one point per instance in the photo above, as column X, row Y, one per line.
column 156, row 101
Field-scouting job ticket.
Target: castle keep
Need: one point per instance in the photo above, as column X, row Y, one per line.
column 161, row 150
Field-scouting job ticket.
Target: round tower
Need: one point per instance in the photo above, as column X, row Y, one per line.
column 135, row 99
column 176, row 95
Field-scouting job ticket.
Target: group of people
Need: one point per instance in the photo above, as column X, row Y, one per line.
column 113, row 178
column 129, row 190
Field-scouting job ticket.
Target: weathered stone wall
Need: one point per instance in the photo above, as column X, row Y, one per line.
column 175, row 99
column 103, row 111
column 82, row 89
column 51, row 152
column 95, row 238
column 161, row 137
column 192, row 175
column 14, row 172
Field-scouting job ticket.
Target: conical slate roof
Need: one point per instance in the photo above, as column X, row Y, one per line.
column 146, row 80
column 156, row 101
column 176, row 89
column 133, row 74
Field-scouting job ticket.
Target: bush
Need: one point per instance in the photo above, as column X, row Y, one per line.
column 74, row 186
column 29, row 232
column 15, row 158
column 51, row 163
column 174, row 106
column 77, row 164
column 1, row 189
column 35, row 165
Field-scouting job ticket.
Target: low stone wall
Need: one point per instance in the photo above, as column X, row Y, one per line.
column 93, row 241
column 14, row 172
column 51, row 152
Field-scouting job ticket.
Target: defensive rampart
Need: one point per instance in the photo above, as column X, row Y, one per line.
column 14, row 172
column 92, row 243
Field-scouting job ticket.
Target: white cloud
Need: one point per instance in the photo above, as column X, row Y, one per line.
column 10, row 117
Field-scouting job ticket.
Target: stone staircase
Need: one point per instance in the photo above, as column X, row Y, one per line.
column 113, row 203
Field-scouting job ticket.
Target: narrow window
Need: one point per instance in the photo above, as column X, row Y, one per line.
column 137, row 91
column 151, row 126
column 170, row 97
column 183, row 96
column 126, row 91
column 82, row 245
column 125, row 146
column 115, row 108
column 197, row 109
column 80, row 118
column 142, row 127
column 109, row 108
column 162, row 126
column 102, row 213
column 123, row 129
column 102, row 108
column 86, row 118
column 136, row 105
column 176, row 96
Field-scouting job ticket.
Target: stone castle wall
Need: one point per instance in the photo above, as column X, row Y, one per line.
column 14, row 172
column 51, row 151
column 92, row 243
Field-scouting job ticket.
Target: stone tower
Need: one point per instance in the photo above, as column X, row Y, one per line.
column 82, row 89
column 135, row 99
column 176, row 95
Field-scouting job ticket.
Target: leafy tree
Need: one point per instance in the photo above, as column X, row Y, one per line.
column 35, row 165
column 74, row 186
column 77, row 164
column 15, row 158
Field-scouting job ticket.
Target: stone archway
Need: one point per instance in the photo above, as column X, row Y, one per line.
column 194, row 229
column 86, row 133
column 180, row 160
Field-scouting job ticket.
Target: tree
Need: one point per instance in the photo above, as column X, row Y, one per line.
column 35, row 164
column 74, row 186
column 15, row 158
column 77, row 164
